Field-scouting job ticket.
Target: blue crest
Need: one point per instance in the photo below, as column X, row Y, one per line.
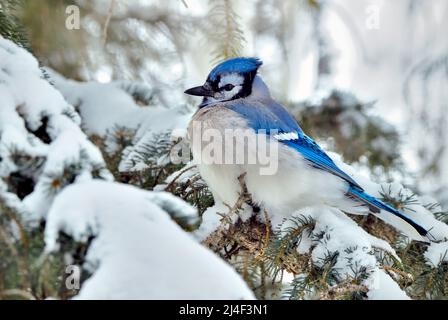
column 239, row 65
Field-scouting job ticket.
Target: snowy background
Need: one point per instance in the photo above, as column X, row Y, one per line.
column 89, row 116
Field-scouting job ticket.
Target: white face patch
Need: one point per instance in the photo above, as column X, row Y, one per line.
column 234, row 79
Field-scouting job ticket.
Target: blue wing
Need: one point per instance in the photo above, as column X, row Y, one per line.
column 275, row 117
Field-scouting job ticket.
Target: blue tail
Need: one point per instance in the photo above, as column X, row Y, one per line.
column 376, row 206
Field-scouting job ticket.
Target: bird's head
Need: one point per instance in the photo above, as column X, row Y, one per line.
column 229, row 80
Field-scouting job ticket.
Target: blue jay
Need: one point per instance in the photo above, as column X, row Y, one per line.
column 235, row 97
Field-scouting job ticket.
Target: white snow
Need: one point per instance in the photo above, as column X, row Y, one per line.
column 101, row 106
column 382, row 287
column 138, row 252
column 355, row 248
column 437, row 253
column 106, row 107
column 27, row 101
column 212, row 219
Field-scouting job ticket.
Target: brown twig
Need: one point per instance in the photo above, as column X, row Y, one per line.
column 107, row 22
column 341, row 290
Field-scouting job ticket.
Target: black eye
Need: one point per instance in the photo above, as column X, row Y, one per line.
column 228, row 87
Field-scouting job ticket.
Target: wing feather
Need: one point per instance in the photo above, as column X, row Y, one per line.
column 313, row 153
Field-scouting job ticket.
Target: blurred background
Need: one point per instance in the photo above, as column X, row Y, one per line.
column 368, row 78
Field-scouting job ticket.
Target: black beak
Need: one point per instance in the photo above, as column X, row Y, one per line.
column 200, row 91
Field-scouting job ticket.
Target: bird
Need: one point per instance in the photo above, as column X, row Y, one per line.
column 235, row 97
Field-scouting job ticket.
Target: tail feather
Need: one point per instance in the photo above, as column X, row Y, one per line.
column 376, row 206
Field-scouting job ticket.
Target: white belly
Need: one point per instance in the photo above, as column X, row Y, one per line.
column 294, row 185
column 222, row 181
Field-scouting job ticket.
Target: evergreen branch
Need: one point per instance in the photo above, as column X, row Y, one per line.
column 10, row 26
column 282, row 244
column 142, row 94
column 401, row 200
column 344, row 291
column 433, row 281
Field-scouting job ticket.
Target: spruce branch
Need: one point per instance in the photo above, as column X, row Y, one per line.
column 400, row 200
column 433, row 281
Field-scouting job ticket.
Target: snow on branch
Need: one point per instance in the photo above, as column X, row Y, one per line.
column 119, row 108
column 136, row 242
